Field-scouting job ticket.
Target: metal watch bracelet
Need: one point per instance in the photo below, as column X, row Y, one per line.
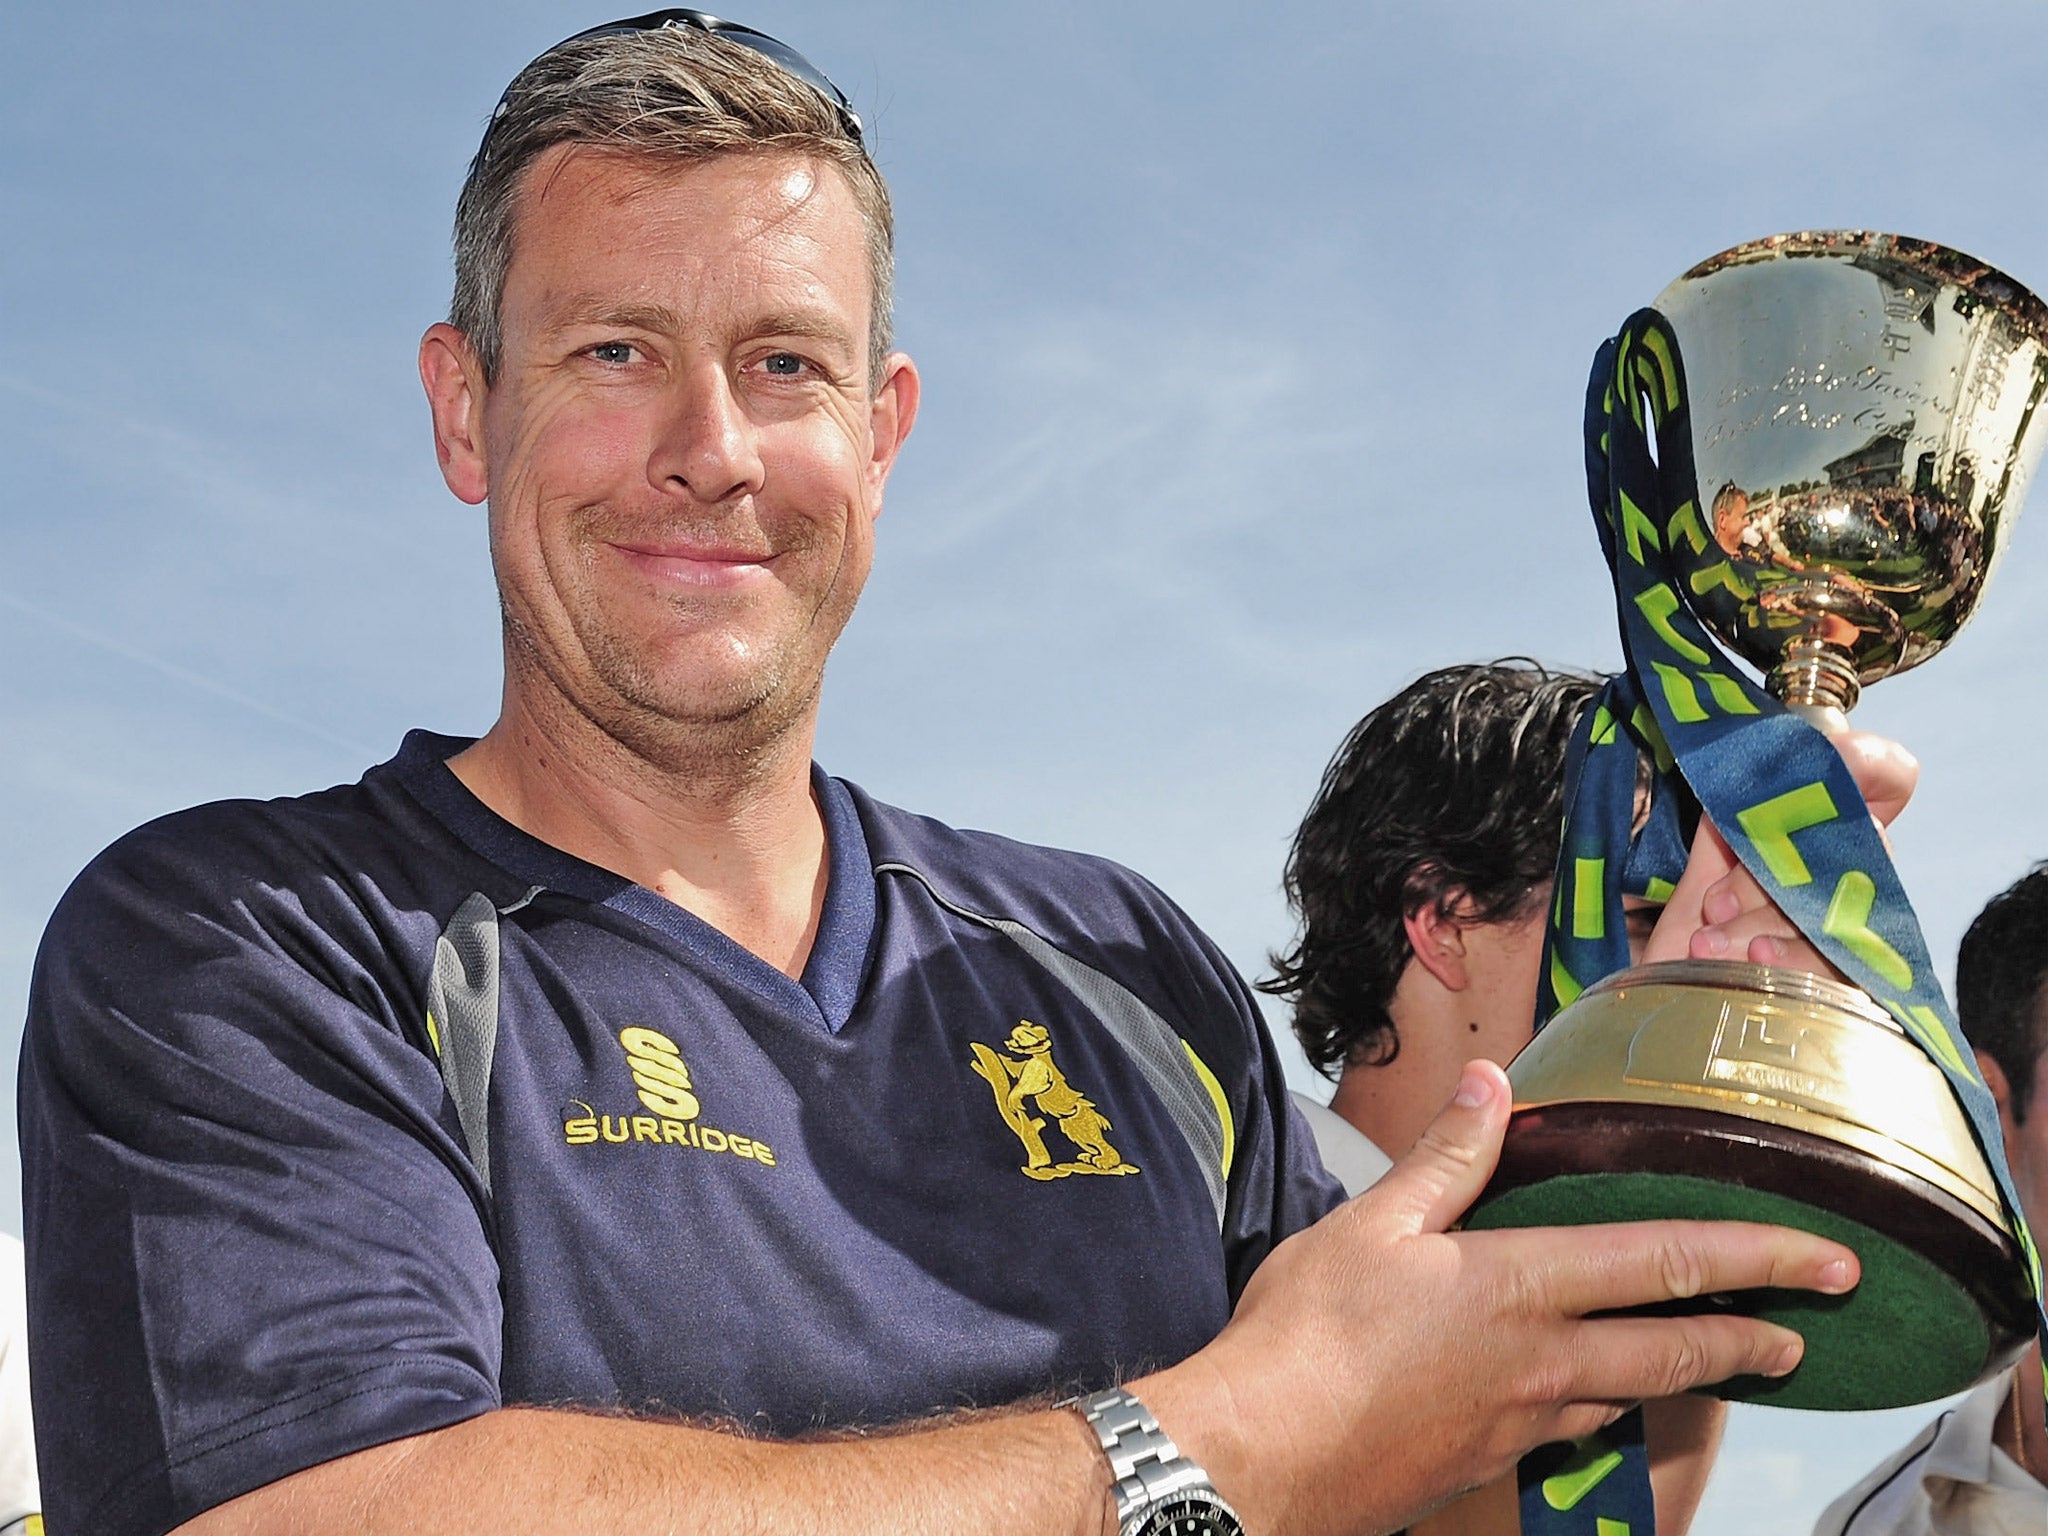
column 1147, row 1465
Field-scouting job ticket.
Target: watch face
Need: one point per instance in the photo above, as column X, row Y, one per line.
column 1186, row 1514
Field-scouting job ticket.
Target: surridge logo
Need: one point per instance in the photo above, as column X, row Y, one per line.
column 659, row 1073
column 1030, row 1078
column 663, row 1080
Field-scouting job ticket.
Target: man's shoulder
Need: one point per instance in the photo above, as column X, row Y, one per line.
column 346, row 843
column 267, row 837
column 1102, row 926
column 1053, row 891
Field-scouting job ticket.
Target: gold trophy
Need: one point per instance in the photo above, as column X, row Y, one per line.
column 1866, row 412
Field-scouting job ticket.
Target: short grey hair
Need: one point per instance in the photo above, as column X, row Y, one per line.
column 674, row 95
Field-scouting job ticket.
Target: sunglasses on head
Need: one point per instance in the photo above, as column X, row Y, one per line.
column 772, row 49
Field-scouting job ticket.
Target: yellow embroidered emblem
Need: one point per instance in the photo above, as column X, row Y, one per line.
column 1029, row 1076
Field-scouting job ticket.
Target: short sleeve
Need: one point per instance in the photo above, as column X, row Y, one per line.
column 254, row 1243
column 1278, row 1184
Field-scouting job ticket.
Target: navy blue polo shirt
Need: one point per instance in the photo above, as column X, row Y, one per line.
column 349, row 1117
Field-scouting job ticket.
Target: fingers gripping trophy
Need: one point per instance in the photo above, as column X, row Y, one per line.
column 1809, row 452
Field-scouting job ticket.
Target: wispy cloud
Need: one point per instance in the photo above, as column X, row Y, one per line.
column 184, row 676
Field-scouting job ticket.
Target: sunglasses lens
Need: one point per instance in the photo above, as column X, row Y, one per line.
column 781, row 53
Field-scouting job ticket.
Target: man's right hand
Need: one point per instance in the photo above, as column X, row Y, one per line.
column 1379, row 1363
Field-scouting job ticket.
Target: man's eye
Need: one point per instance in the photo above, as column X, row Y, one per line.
column 615, row 352
column 783, row 364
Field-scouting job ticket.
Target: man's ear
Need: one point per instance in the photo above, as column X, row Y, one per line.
column 1438, row 939
column 455, row 394
column 2001, row 1094
column 891, row 414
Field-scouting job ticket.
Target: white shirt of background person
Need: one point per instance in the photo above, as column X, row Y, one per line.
column 21, row 1498
column 1950, row 1480
column 1347, row 1151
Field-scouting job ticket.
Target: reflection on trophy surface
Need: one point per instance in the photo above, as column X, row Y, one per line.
column 1864, row 424
column 1865, row 416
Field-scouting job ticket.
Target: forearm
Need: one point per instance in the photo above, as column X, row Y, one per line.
column 542, row 1471
column 1683, row 1436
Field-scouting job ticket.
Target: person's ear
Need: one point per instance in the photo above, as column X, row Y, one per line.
column 2001, row 1094
column 455, row 394
column 890, row 416
column 1438, row 940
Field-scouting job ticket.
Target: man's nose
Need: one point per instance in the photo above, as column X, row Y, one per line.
column 706, row 444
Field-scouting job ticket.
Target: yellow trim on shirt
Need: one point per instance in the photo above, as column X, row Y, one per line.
column 1221, row 1102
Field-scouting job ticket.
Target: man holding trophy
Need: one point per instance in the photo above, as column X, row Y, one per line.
column 344, row 1213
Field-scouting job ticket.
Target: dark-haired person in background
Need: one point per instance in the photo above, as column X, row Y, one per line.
column 1979, row 1469
column 1421, row 875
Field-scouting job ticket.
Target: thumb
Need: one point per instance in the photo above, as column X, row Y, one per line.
column 1434, row 1184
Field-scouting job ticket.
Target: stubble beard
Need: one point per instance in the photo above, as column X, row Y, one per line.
column 674, row 719
column 661, row 721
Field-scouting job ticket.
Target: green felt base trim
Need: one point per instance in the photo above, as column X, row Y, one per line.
column 1906, row 1334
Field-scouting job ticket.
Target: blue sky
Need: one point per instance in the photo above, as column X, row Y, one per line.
column 1253, row 341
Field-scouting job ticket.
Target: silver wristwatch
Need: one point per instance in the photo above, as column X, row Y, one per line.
column 1159, row 1492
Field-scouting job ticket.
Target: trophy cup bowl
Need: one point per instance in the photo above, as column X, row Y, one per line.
column 1866, row 413
column 1866, row 416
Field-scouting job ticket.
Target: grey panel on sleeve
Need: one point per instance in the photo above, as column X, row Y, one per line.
column 463, row 998
column 1151, row 1043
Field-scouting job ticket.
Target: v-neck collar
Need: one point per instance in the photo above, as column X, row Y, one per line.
column 830, row 985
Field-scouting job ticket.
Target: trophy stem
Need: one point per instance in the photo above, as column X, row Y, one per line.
column 1817, row 679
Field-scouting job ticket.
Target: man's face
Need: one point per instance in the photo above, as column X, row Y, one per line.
column 683, row 452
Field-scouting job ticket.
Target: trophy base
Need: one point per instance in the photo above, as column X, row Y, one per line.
column 1942, row 1303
